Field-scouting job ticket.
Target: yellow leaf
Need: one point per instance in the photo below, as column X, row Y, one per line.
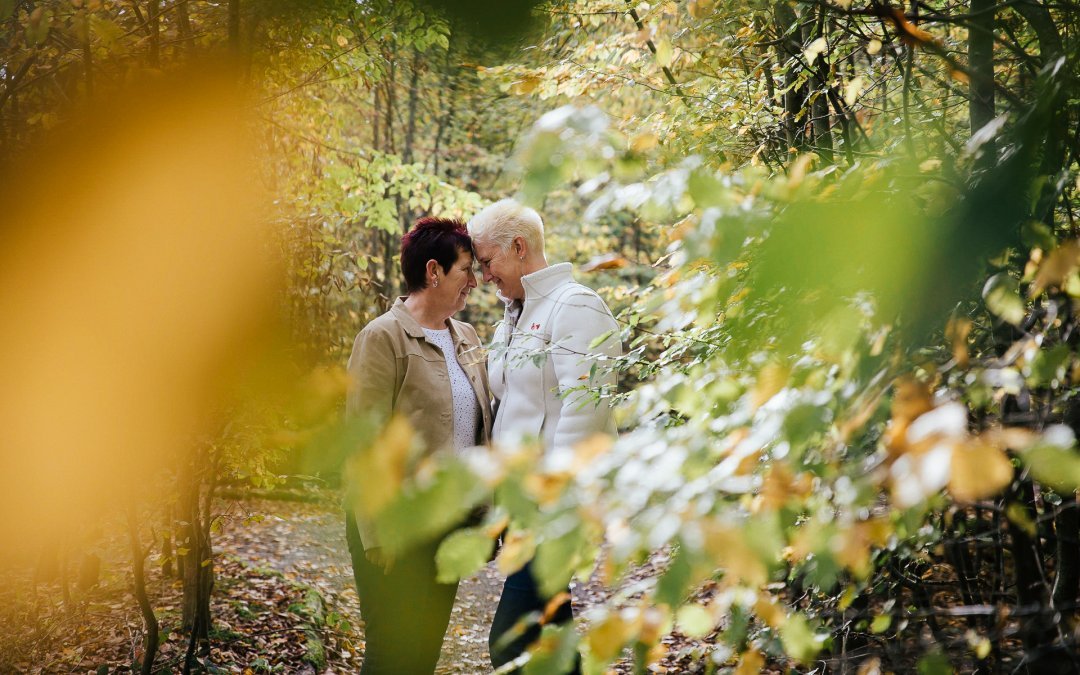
column 769, row 612
column 741, row 564
column 853, row 89
column 518, row 548
column 957, row 331
column 911, row 399
column 873, row 47
column 607, row 638
column 909, row 32
column 798, row 169
column 553, row 606
column 1056, row 266
column 608, row 261
column 816, row 48
column 377, row 472
column 695, row 621
column 526, row 85
column 751, row 662
column 655, row 623
column 591, row 448
column 546, row 488
column 342, row 41
column 771, row 381
column 498, row 527
column 930, row 165
column 699, row 9
column 644, row 142
column 778, row 486
column 979, row 470
column 664, row 52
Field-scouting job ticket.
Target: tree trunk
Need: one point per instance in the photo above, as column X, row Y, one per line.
column 789, row 48
column 447, row 92
column 234, row 28
column 410, row 128
column 138, row 558
column 981, row 64
column 819, row 107
column 1037, row 628
column 87, row 57
column 153, row 25
column 183, row 22
column 1067, row 575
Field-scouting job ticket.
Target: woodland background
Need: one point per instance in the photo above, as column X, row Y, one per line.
column 840, row 238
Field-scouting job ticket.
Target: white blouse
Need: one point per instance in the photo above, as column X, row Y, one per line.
column 466, row 407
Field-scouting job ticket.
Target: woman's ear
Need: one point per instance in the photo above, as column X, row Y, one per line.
column 431, row 269
column 521, row 249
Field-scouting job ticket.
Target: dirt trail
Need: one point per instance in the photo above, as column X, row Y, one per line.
column 306, row 542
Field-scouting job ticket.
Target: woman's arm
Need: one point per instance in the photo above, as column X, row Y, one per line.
column 372, row 388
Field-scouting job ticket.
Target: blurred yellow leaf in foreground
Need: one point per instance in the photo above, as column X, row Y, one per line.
column 136, row 276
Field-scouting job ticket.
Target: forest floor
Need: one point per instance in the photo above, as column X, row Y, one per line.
column 284, row 601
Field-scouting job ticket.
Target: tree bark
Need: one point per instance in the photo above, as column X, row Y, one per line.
column 1066, row 591
column 153, row 25
column 789, row 49
column 183, row 22
column 138, row 559
column 410, row 129
column 234, row 28
column 981, row 64
column 819, row 108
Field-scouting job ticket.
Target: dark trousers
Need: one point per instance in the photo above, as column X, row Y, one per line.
column 405, row 611
column 520, row 596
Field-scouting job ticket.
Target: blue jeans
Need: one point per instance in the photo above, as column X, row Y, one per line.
column 520, row 596
column 405, row 611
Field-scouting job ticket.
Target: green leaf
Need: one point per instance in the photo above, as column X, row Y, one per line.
column 671, row 589
column 799, row 639
column 881, row 623
column 1049, row 365
column 555, row 653
column 1055, row 466
column 599, row 339
column 37, row 28
column 935, row 663
column 556, row 560
column 1036, row 234
column 664, row 52
column 462, row 553
column 705, row 188
column 6, row 8
column 694, row 621
column 421, row 513
column 1002, row 297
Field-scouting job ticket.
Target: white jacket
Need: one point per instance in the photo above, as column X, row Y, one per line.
column 541, row 350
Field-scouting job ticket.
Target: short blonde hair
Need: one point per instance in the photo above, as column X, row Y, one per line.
column 504, row 221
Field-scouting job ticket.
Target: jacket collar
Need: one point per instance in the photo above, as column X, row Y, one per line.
column 410, row 324
column 542, row 283
column 413, row 328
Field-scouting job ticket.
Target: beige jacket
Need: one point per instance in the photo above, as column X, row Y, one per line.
column 394, row 369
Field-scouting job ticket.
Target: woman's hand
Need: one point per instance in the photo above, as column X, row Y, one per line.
column 376, row 556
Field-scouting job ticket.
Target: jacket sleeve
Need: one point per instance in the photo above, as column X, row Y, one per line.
column 372, row 388
column 372, row 376
column 581, row 319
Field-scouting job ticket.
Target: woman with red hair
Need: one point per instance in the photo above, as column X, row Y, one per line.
column 417, row 362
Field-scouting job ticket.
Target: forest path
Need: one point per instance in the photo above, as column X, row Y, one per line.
column 306, row 543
